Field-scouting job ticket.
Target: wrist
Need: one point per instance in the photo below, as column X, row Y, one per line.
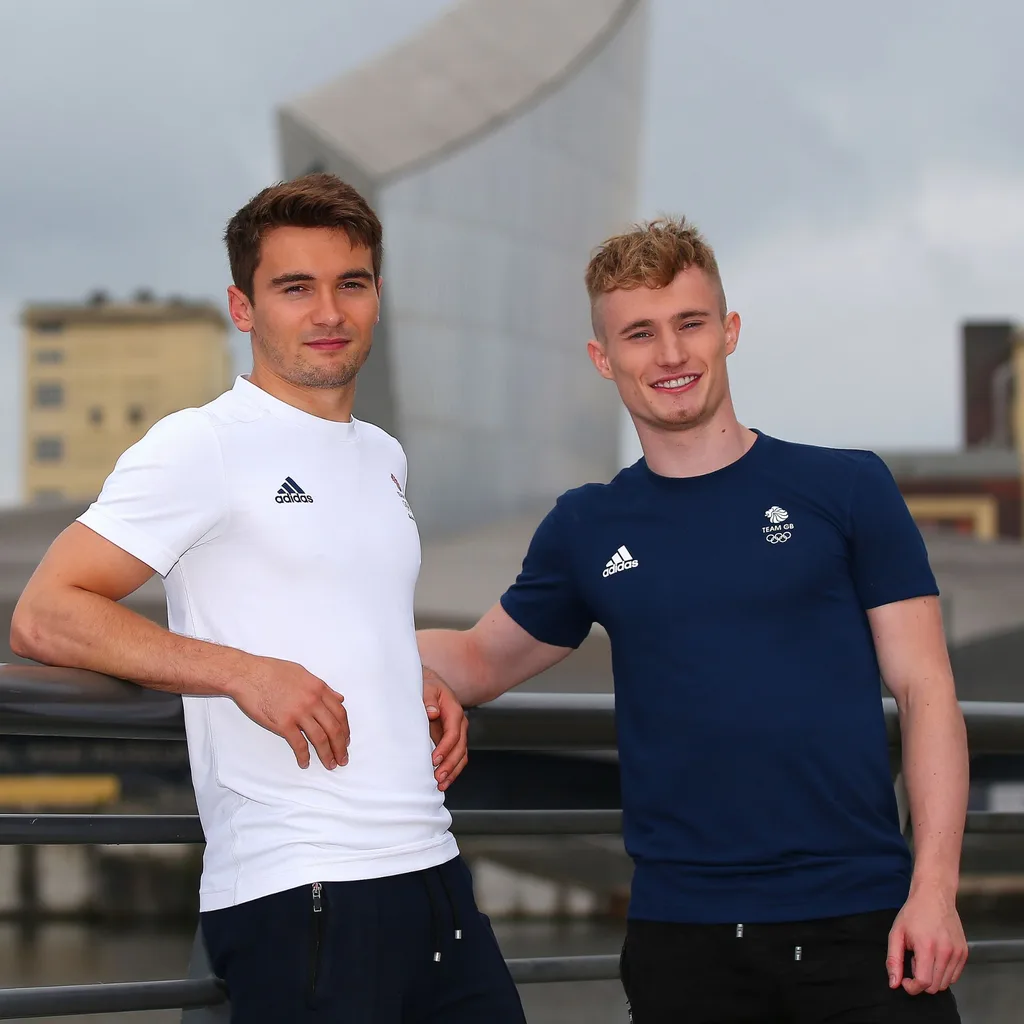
column 232, row 672
column 933, row 882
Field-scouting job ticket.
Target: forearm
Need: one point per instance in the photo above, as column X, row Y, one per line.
column 73, row 628
column 452, row 654
column 936, row 772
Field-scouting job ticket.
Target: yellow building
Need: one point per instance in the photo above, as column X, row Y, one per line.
column 98, row 375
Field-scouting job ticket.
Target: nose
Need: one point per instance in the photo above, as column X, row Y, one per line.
column 329, row 311
column 670, row 349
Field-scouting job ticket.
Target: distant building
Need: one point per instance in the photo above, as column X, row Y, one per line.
column 98, row 375
column 976, row 491
column 499, row 145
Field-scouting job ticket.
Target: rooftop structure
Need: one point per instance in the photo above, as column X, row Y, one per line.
column 499, row 146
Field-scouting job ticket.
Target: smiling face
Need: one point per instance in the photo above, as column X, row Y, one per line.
column 313, row 307
column 666, row 349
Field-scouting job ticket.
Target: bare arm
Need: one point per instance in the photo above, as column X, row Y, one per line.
column 68, row 615
column 485, row 661
column 915, row 665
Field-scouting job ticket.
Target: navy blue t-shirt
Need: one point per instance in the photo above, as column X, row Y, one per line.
column 754, row 763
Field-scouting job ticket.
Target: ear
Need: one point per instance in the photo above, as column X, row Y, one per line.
column 732, row 332
column 240, row 309
column 599, row 358
column 380, row 288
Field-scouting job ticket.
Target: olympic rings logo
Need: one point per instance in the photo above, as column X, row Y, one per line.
column 777, row 538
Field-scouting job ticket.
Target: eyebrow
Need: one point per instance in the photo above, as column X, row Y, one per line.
column 686, row 314
column 357, row 274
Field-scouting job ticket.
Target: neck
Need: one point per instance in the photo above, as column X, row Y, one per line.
column 326, row 403
column 700, row 449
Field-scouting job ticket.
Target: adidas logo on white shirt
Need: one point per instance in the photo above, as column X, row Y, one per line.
column 620, row 562
column 290, row 491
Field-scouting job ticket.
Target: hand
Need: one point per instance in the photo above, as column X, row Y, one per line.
column 302, row 709
column 929, row 926
column 449, row 729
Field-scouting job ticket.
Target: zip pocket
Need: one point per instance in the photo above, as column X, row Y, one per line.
column 317, row 929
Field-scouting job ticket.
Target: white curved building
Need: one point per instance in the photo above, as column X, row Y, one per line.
column 499, row 145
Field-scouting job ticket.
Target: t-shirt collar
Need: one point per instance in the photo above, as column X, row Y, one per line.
column 282, row 410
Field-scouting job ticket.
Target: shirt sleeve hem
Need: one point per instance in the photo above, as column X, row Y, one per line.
column 554, row 641
column 896, row 594
column 129, row 538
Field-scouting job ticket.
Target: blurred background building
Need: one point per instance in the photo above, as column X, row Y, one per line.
column 498, row 145
column 976, row 491
column 99, row 374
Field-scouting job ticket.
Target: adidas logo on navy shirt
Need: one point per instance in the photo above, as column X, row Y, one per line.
column 620, row 562
column 290, row 491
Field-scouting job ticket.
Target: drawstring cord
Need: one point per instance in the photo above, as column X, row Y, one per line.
column 435, row 913
column 451, row 905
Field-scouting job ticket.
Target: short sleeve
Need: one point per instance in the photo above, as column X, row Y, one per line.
column 890, row 561
column 166, row 493
column 545, row 599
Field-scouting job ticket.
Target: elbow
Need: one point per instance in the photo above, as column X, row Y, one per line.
column 27, row 638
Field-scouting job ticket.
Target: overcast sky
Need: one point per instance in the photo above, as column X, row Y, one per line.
column 858, row 167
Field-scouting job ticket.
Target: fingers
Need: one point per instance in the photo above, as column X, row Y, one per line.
column 453, row 775
column 333, row 719
column 452, row 719
column 436, row 726
column 456, row 742
column 961, row 963
column 318, row 737
column 923, row 964
column 300, row 748
column 949, row 969
column 894, row 958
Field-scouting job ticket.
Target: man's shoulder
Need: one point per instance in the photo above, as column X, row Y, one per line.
column 377, row 437
column 581, row 502
column 820, row 461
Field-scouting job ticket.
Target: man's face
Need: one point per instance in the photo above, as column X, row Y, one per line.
column 665, row 349
column 314, row 305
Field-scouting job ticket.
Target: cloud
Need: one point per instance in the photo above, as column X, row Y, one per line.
column 852, row 336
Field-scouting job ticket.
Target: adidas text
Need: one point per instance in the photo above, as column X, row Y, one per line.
column 281, row 499
column 620, row 567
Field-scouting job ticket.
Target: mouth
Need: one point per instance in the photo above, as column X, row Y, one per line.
column 327, row 344
column 677, row 385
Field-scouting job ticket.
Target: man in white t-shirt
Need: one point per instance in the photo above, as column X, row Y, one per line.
column 332, row 888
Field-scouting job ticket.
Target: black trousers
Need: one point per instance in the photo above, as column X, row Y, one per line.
column 409, row 949
column 830, row 971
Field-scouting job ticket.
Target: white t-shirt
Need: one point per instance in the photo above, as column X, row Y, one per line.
column 289, row 536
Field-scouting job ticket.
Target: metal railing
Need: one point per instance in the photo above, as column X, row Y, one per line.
column 41, row 701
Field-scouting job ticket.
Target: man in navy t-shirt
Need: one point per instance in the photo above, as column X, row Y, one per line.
column 754, row 592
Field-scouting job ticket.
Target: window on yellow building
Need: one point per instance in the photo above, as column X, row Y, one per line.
column 49, row 395
column 49, row 449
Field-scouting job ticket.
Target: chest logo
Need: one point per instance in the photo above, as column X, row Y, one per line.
column 620, row 562
column 780, row 529
column 290, row 492
column 408, row 507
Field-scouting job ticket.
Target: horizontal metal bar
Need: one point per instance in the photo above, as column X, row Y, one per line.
column 996, row 951
column 574, row 822
column 113, row 829
column 99, row 829
column 994, row 822
column 68, row 1000
column 534, row 970
column 45, row 701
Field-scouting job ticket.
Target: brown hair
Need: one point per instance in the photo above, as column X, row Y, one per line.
column 313, row 201
column 650, row 255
